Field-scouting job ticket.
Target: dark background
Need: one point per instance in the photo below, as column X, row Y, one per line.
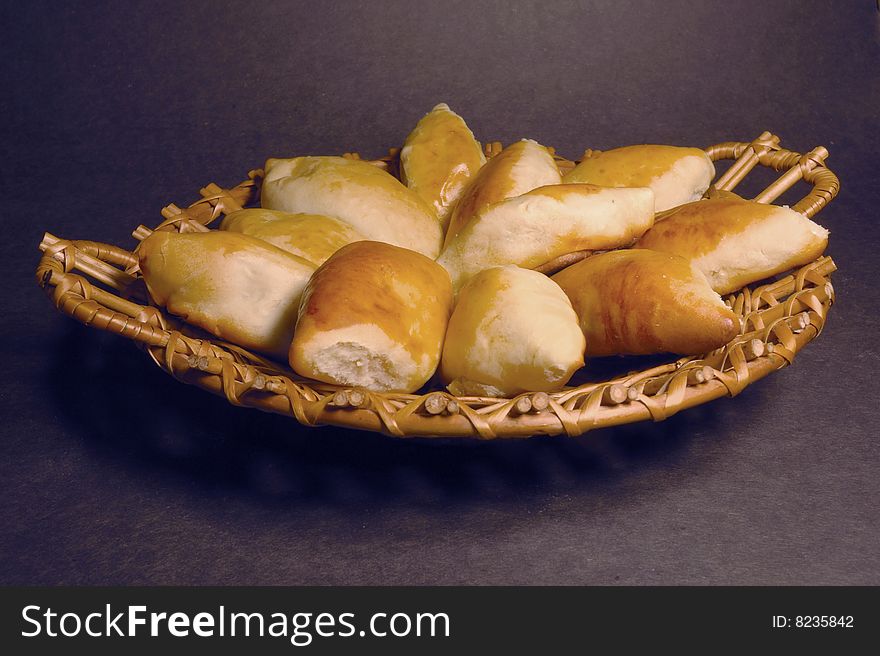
column 112, row 472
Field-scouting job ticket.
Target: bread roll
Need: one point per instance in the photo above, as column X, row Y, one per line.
column 374, row 316
column 521, row 167
column 676, row 175
column 737, row 242
column 364, row 196
column 438, row 159
column 636, row 302
column 235, row 286
column 512, row 330
column 313, row 237
column 547, row 222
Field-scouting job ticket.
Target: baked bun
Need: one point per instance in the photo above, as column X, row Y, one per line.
column 235, row 286
column 737, row 242
column 373, row 315
column 438, row 159
column 637, row 302
column 313, row 237
column 512, row 330
column 521, row 167
column 676, row 175
column 547, row 222
column 362, row 195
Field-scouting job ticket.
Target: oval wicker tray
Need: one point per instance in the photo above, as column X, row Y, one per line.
column 778, row 319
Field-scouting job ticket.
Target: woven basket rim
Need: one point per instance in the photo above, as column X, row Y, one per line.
column 778, row 318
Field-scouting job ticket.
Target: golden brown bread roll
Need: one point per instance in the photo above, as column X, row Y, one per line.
column 373, row 315
column 313, row 237
column 512, row 330
column 547, row 222
column 235, row 286
column 676, row 175
column 369, row 199
column 636, row 302
column 521, row 167
column 438, row 159
column 737, row 242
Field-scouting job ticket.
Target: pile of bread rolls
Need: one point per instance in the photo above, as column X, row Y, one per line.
column 359, row 278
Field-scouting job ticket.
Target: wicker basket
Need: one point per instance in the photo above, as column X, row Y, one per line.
column 778, row 319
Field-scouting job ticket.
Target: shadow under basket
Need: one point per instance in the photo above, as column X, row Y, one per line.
column 100, row 286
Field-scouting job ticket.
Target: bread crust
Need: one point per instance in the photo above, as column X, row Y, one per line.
column 313, row 237
column 638, row 302
column 369, row 199
column 675, row 174
column 547, row 222
column 736, row 242
column 235, row 286
column 373, row 315
column 521, row 167
column 439, row 158
column 512, row 330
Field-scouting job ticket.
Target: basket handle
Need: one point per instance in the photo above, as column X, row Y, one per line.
column 765, row 150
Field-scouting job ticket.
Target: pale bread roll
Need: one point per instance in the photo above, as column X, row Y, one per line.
column 521, row 167
column 369, row 199
column 313, row 237
column 512, row 330
column 235, row 286
column 675, row 174
column 438, row 159
column 547, row 222
column 737, row 242
column 638, row 302
column 373, row 315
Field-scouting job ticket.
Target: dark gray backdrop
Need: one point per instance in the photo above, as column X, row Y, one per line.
column 112, row 472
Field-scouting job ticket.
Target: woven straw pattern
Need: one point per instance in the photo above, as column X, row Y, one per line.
column 778, row 319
